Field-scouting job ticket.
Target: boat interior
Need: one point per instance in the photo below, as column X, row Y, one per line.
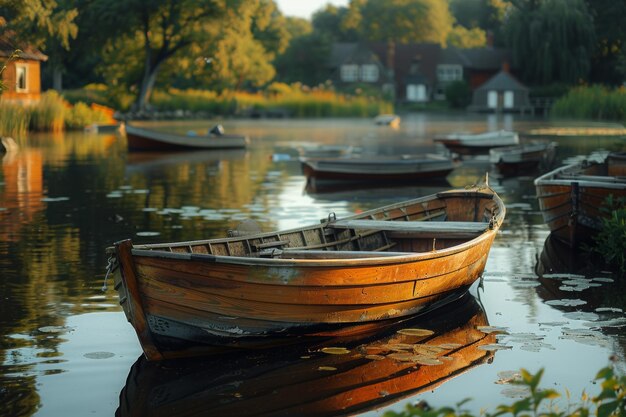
column 421, row 225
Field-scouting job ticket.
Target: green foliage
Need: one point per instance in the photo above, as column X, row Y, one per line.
column 483, row 14
column 305, row 60
column 81, row 115
column 610, row 402
column 460, row 37
column 551, row 40
column 49, row 113
column 458, row 94
column 295, row 100
column 594, row 102
column 402, row 21
column 610, row 242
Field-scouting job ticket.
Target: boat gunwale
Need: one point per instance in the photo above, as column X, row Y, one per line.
column 552, row 178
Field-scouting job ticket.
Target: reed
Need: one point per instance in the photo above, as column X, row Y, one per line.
column 592, row 102
column 294, row 100
column 80, row 115
column 49, row 113
column 14, row 120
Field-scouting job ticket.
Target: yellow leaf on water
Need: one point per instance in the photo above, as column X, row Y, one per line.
column 416, row 332
column 335, row 350
column 375, row 357
column 326, row 368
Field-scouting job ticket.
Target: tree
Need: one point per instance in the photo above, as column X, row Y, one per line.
column 331, row 21
column 305, row 59
column 401, row 21
column 460, row 37
column 162, row 28
column 608, row 63
column 551, row 40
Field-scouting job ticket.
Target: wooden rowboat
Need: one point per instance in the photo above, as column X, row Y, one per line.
column 340, row 276
column 476, row 143
column 379, row 167
column 303, row 380
column 514, row 160
column 140, row 139
column 571, row 197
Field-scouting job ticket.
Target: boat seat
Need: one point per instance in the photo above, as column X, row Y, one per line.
column 434, row 229
column 599, row 178
column 267, row 245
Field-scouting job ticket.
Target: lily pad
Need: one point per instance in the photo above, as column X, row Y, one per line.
column 416, row 332
column 335, row 350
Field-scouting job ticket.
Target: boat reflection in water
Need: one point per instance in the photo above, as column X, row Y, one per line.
column 337, row 377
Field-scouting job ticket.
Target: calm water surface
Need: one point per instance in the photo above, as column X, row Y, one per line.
column 66, row 348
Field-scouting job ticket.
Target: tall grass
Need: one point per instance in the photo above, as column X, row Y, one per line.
column 14, row 120
column 294, row 100
column 49, row 113
column 592, row 102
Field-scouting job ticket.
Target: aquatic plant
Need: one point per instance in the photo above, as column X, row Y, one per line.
column 49, row 112
column 14, row 120
column 610, row 242
column 592, row 102
column 610, row 402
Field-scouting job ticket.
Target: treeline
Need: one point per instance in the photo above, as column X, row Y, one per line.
column 136, row 46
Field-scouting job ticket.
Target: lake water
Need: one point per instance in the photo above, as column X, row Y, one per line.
column 65, row 345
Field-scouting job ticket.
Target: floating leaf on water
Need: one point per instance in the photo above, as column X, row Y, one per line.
column 403, row 357
column 428, row 349
column 448, row 346
column 516, row 392
column 553, row 323
column 506, row 377
column 149, row 209
column 494, row 347
column 608, row 310
column 492, row 329
column 445, row 358
column 305, row 357
column 146, row 234
column 581, row 315
column 55, row 329
column 566, row 302
column 326, row 368
column 375, row 357
column 400, row 346
column 99, row 355
column 425, row 360
column 54, row 199
column 603, row 279
column 335, row 350
column 416, row 332
column 562, row 276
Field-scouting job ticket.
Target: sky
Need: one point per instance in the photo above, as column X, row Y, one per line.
column 305, row 8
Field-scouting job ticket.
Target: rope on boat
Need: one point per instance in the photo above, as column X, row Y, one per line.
column 111, row 266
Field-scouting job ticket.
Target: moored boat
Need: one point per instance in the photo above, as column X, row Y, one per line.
column 141, row 139
column 519, row 159
column 476, row 143
column 338, row 277
column 392, row 120
column 571, row 197
column 379, row 167
column 365, row 373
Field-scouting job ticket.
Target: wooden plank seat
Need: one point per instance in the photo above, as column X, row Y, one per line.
column 428, row 229
column 333, row 254
column 599, row 178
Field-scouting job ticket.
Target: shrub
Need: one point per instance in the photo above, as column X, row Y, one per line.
column 610, row 242
column 458, row 94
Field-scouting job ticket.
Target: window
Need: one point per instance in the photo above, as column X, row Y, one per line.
column 21, row 78
column 349, row 72
column 369, row 73
column 449, row 72
column 508, row 99
column 416, row 92
column 492, row 99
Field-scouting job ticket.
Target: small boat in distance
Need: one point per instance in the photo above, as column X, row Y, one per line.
column 335, row 278
column 141, row 139
column 572, row 197
column 392, row 120
column 527, row 157
column 476, row 143
column 379, row 167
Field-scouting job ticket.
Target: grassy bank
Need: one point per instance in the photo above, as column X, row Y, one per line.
column 278, row 99
column 592, row 102
column 51, row 113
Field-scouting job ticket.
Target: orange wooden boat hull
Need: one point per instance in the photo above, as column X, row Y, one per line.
column 571, row 198
column 304, row 381
column 258, row 289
